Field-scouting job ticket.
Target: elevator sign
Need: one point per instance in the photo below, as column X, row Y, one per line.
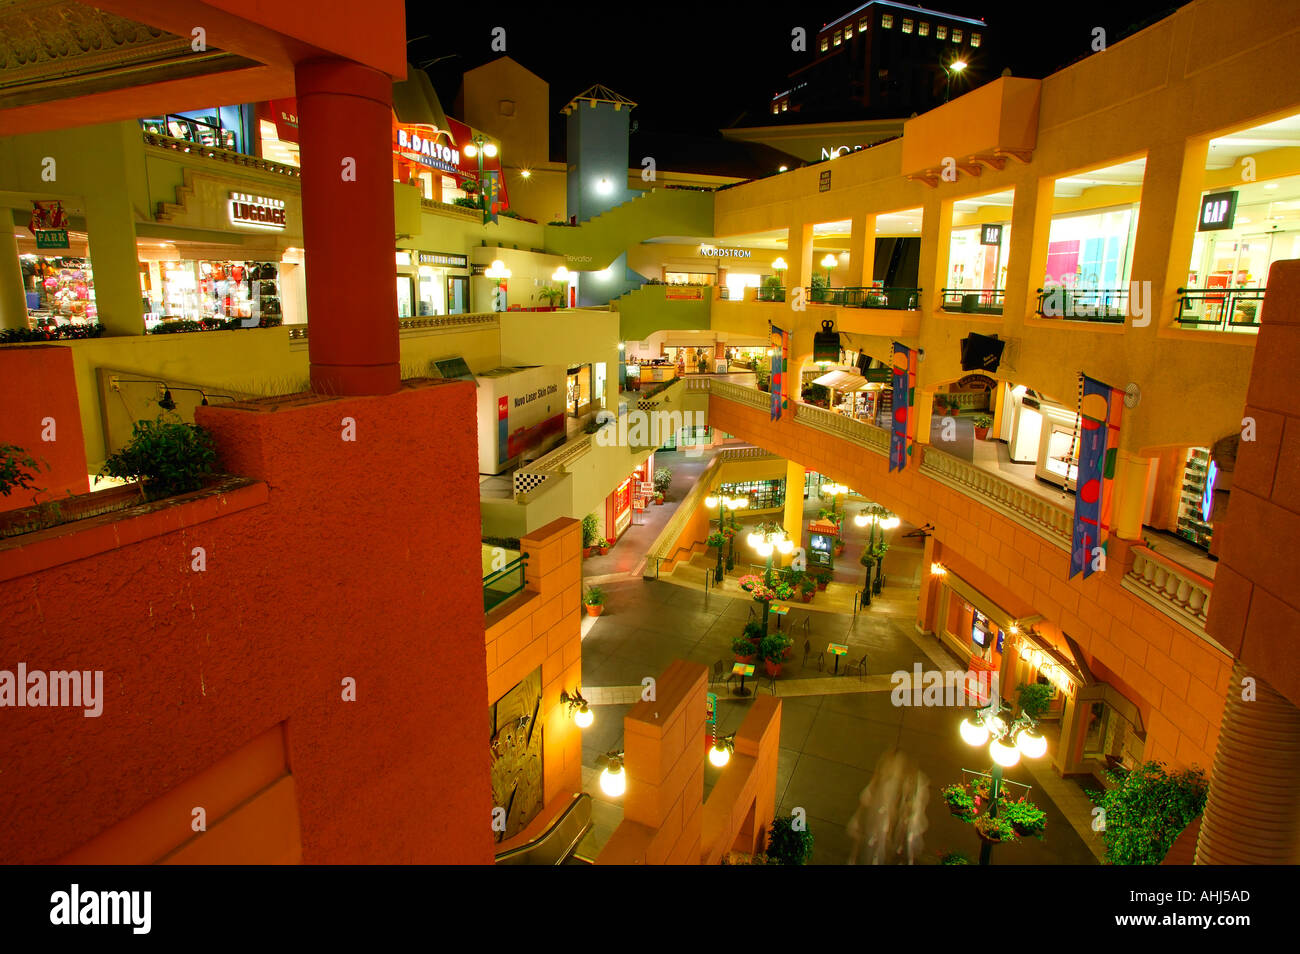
column 256, row 212
column 1218, row 210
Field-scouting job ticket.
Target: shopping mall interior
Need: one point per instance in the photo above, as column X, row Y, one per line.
column 928, row 501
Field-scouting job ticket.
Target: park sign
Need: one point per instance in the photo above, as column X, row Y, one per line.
column 49, row 223
column 52, row 238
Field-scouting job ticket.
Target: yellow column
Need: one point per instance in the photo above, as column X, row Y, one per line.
column 924, row 408
column 110, row 225
column 793, row 517
column 1130, row 495
column 13, row 298
column 798, row 256
column 862, row 251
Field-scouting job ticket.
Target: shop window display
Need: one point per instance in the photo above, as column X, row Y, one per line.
column 213, row 293
column 762, row 494
column 59, row 290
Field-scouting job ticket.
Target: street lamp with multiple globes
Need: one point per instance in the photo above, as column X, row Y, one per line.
column 566, row 277
column 768, row 540
column 779, row 266
column 477, row 148
column 880, row 520
column 828, row 263
column 956, row 66
column 498, row 272
column 726, row 505
column 1007, row 741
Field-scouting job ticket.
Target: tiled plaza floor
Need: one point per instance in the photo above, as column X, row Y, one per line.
column 830, row 742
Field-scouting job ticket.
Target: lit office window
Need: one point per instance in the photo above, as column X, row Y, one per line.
column 956, row 36
column 923, row 29
column 775, row 108
column 862, row 25
column 848, row 32
column 887, row 20
column 784, row 107
column 838, row 38
column 974, row 40
column 941, row 32
column 825, row 44
column 907, row 25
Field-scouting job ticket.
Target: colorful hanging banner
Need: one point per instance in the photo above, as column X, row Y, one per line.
column 779, row 345
column 491, row 197
column 903, row 433
column 1100, row 407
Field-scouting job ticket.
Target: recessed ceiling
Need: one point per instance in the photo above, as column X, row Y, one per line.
column 1228, row 150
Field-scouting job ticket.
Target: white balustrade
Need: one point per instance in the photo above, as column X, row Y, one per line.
column 1180, row 593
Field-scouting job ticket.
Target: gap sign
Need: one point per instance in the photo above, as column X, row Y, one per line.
column 1218, row 210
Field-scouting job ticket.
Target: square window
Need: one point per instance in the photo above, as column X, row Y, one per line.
column 784, row 107
column 907, row 25
column 923, row 29
column 825, row 44
column 941, row 32
column 848, row 32
column 887, row 20
column 775, row 108
column 838, row 38
column 956, row 36
column 974, row 40
column 862, row 25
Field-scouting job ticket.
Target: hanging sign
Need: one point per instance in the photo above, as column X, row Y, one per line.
column 1218, row 211
column 991, row 235
column 49, row 223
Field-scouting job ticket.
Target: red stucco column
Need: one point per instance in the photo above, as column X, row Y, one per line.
column 345, row 124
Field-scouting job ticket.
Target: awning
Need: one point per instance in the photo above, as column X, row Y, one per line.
column 842, row 381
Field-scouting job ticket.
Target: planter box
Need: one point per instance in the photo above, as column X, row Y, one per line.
column 807, row 596
column 773, row 668
column 821, row 585
column 71, row 509
column 981, row 433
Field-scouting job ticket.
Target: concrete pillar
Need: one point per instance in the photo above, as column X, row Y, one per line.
column 792, row 519
column 799, row 256
column 928, row 596
column 1252, row 816
column 110, row 225
column 345, row 111
column 1162, row 245
column 1132, row 474
column 862, row 250
column 13, row 297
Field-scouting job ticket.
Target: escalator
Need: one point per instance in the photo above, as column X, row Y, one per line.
column 559, row 843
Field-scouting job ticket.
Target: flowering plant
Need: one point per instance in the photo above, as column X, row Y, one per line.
column 763, row 594
column 783, row 591
column 749, row 581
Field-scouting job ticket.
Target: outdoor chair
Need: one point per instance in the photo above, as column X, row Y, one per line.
column 719, row 671
column 860, row 667
column 808, row 652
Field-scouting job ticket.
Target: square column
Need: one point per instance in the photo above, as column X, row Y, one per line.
column 862, row 250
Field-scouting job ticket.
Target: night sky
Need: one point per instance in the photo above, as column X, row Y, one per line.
column 696, row 67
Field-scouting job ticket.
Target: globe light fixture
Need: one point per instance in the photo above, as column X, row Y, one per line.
column 1031, row 744
column 613, row 780
column 779, row 265
column 578, row 708
column 711, row 502
column 1004, row 753
column 562, row 274
column 973, row 733
column 604, row 187
column 720, row 754
column 490, row 150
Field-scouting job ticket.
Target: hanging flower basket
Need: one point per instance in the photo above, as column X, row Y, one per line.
column 994, row 830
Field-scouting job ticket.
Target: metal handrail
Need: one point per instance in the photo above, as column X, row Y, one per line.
column 987, row 301
column 299, row 332
column 895, row 297
column 1103, row 305
column 494, row 598
column 1224, row 303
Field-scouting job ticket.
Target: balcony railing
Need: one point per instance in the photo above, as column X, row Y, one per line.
column 860, row 432
column 500, row 585
column 1042, row 516
column 423, row 323
column 1174, row 589
column 973, row 301
column 1104, row 305
column 1220, row 309
column 223, row 155
column 770, row 293
column 867, row 296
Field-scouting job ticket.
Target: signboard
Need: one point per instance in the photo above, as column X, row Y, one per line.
column 711, row 708
column 256, row 212
column 52, row 238
column 1207, row 498
column 824, row 184
column 819, row 549
column 1218, row 211
column 991, row 235
column 427, row 145
column 834, row 152
column 710, row 252
column 446, row 259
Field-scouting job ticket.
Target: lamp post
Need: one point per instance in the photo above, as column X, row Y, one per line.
column 956, row 66
column 565, row 276
column 880, row 520
column 768, row 540
column 477, row 148
column 828, row 263
column 498, row 272
column 1007, row 741
column 725, row 505
column 779, row 266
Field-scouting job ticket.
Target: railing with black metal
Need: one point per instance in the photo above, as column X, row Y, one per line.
column 503, row 583
column 977, row 301
column 898, row 298
column 1072, row 303
column 1220, row 309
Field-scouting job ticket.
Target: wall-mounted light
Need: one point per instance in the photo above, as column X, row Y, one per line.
column 604, row 187
column 938, row 569
column 525, row 173
column 613, row 779
column 578, row 708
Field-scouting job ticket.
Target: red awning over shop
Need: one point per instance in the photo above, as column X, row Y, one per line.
column 824, row 527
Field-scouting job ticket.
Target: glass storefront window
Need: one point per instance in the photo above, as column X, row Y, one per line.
column 457, row 295
column 975, row 266
column 405, row 296
column 1093, row 250
column 223, row 127
column 59, row 290
column 762, row 494
column 207, row 289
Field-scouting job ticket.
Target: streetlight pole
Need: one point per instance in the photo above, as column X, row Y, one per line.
column 725, row 505
column 878, row 518
column 1007, row 742
column 478, row 147
column 956, row 66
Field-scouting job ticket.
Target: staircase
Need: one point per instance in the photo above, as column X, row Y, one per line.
column 595, row 244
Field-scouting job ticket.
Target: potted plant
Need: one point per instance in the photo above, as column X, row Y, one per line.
column 753, row 631
column 659, row 499
column 953, row 858
column 603, row 546
column 1026, row 818
column 783, row 590
column 743, row 649
column 590, row 527
column 994, row 829
column 789, row 841
column 839, row 546
column 807, row 588
column 594, row 601
column 749, row 581
column 982, row 424
column 772, row 650
column 824, row 579
column 663, row 479
column 960, row 802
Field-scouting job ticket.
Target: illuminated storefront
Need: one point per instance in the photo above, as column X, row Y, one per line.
column 632, row 494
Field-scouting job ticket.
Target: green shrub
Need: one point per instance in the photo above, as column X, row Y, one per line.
column 17, row 469
column 788, row 844
column 166, row 455
column 1025, row 816
column 590, row 527
column 742, row 646
column 773, row 647
column 663, row 480
column 1148, row 810
column 1034, row 698
column 595, row 596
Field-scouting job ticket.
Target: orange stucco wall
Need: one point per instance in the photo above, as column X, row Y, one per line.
column 352, row 568
column 543, row 627
column 37, row 390
column 1176, row 673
